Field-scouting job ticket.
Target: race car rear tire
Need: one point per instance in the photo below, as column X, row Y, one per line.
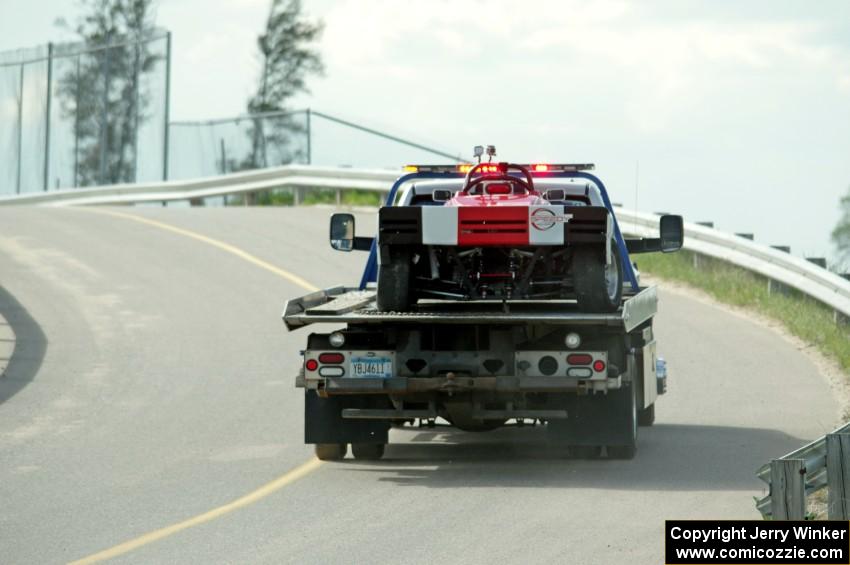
column 598, row 287
column 394, row 282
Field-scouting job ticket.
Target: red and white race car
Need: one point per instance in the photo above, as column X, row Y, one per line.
column 496, row 235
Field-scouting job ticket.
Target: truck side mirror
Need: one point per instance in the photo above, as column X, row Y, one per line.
column 342, row 232
column 442, row 195
column 672, row 233
column 554, row 194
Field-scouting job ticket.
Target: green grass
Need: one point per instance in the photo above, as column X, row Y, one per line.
column 352, row 197
column 804, row 317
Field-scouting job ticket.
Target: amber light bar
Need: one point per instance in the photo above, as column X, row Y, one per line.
column 533, row 168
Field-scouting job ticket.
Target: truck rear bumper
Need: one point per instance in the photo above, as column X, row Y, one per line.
column 449, row 383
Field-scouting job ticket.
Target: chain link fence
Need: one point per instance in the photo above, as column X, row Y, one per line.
column 216, row 147
column 208, row 148
column 77, row 114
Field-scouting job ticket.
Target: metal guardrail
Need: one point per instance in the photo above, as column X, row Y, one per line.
column 776, row 266
column 794, row 272
column 249, row 182
column 813, row 459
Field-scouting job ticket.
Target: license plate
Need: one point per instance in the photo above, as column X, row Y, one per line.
column 380, row 367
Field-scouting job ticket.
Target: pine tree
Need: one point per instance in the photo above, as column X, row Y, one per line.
column 103, row 95
column 288, row 58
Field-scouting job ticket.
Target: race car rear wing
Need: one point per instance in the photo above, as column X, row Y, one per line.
column 370, row 273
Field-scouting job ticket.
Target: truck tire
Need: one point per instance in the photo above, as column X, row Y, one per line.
column 367, row 451
column 598, row 287
column 394, row 282
column 627, row 450
column 331, row 451
column 585, row 451
column 646, row 417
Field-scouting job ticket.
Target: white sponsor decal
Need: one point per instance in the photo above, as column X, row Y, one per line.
column 544, row 218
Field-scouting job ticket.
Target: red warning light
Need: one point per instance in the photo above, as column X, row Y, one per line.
column 311, row 364
column 541, row 168
column 599, row 365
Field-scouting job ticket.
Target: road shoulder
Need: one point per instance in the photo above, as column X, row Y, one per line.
column 830, row 371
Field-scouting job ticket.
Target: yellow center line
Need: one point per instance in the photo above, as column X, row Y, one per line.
column 250, row 498
column 233, row 250
column 208, row 516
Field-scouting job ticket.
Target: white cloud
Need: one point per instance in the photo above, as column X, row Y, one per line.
column 656, row 65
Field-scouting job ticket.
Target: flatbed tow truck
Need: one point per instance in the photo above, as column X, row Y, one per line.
column 591, row 378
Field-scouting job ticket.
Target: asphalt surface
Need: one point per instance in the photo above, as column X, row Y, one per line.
column 152, row 381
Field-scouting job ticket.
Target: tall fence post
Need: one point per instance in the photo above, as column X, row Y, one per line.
column 137, row 60
column 104, row 115
column 788, row 489
column 309, row 140
column 167, row 105
column 20, row 130
column 838, row 475
column 47, row 116
column 77, row 126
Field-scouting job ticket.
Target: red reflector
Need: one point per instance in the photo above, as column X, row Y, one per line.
column 579, row 359
column 332, row 358
column 599, row 366
column 311, row 364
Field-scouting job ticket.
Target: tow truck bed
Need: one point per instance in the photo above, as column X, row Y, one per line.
column 346, row 305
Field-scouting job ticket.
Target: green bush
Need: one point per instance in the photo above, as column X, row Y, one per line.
column 804, row 317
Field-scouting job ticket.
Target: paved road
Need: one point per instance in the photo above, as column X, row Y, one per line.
column 153, row 382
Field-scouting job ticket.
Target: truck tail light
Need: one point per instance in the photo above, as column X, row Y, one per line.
column 599, row 365
column 331, row 358
column 579, row 359
column 311, row 365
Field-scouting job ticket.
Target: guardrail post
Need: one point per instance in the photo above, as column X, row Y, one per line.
column 776, row 287
column 339, row 197
column 788, row 488
column 838, row 475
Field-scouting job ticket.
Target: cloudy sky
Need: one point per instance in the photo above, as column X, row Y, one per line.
column 737, row 112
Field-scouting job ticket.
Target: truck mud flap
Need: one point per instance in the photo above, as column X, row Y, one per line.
column 323, row 421
column 596, row 420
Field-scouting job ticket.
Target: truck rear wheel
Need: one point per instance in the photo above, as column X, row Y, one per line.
column 367, row 451
column 629, row 448
column 646, row 417
column 598, row 286
column 331, row 451
column 394, row 282
column 586, row 451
